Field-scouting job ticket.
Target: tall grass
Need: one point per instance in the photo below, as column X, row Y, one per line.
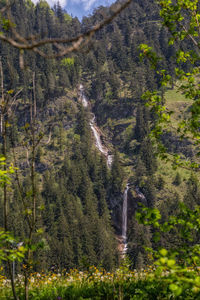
column 95, row 284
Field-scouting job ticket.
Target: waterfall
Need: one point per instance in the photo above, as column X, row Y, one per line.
column 84, row 101
column 99, row 144
column 98, row 139
column 105, row 151
column 109, row 160
column 95, row 130
column 82, row 96
column 124, row 218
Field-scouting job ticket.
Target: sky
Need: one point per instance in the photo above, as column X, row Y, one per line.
column 79, row 8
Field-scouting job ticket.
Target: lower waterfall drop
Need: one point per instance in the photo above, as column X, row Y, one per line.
column 124, row 218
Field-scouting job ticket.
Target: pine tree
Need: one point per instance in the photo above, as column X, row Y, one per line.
column 192, row 197
column 116, row 175
column 177, row 179
column 138, row 237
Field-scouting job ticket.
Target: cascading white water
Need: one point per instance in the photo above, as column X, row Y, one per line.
column 98, row 140
column 84, row 101
column 99, row 145
column 97, row 136
column 82, row 96
column 109, row 157
column 124, row 218
column 109, row 160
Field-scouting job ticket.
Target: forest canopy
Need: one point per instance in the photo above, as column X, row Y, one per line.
column 137, row 68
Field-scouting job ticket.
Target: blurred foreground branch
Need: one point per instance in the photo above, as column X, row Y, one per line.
column 64, row 45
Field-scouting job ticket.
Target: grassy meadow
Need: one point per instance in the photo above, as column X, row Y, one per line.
column 98, row 284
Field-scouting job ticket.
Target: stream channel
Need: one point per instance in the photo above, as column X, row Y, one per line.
column 109, row 157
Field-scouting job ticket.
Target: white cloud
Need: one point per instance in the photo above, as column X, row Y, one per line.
column 87, row 4
column 52, row 2
column 82, row 5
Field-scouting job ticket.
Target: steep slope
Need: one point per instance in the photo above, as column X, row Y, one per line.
column 76, row 192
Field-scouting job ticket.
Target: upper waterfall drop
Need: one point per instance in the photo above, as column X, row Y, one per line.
column 82, row 96
column 104, row 150
column 98, row 140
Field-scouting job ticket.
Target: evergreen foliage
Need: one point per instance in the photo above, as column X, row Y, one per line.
column 79, row 198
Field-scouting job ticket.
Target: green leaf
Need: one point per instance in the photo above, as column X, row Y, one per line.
column 173, row 287
column 163, row 252
column 171, row 262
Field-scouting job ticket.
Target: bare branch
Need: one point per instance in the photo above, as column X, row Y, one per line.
column 14, row 99
column 2, row 97
column 27, row 157
column 5, row 8
column 22, row 43
column 49, row 139
column 34, row 97
column 190, row 36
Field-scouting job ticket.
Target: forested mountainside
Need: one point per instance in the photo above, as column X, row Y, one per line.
column 79, row 199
